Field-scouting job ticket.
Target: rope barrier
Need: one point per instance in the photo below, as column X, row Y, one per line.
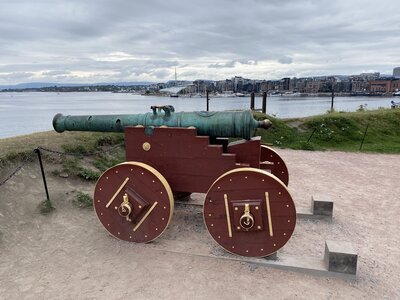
column 79, row 154
column 13, row 173
column 25, row 161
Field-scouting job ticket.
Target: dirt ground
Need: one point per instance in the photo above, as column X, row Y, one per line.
column 68, row 255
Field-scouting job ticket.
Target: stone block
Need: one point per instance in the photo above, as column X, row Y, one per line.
column 322, row 206
column 340, row 257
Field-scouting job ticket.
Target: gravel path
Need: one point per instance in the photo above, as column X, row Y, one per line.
column 68, row 255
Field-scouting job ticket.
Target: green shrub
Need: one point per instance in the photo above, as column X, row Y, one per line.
column 83, row 200
column 304, row 145
column 45, row 207
column 88, row 174
column 105, row 161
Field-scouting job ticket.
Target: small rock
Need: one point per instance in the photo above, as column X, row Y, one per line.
column 33, row 176
column 63, row 175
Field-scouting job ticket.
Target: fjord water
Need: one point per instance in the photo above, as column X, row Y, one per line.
column 24, row 113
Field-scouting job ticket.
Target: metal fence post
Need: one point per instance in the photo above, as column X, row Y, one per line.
column 208, row 101
column 37, row 150
column 365, row 133
column 264, row 103
column 309, row 139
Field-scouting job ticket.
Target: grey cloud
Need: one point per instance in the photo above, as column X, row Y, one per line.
column 285, row 60
column 55, row 73
column 161, row 74
column 205, row 38
column 248, row 62
column 230, row 64
column 16, row 76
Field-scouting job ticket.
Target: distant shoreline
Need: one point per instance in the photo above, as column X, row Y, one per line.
column 212, row 95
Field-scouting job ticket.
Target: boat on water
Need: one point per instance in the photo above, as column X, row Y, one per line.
column 197, row 95
column 224, row 95
column 174, row 95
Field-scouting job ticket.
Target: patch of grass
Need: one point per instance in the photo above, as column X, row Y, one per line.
column 45, row 207
column 83, row 200
column 105, row 161
column 90, row 144
column 279, row 134
column 88, row 174
column 337, row 131
column 303, row 145
column 79, row 148
column 54, row 140
column 56, row 172
column 71, row 165
column 17, row 156
column 110, row 140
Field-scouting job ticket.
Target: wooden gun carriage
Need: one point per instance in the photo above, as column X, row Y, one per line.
column 247, row 210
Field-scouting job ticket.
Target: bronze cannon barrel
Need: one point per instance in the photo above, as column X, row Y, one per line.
column 214, row 124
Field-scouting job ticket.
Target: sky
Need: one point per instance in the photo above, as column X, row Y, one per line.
column 78, row 41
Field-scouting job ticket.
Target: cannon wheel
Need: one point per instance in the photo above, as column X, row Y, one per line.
column 272, row 161
column 249, row 212
column 134, row 202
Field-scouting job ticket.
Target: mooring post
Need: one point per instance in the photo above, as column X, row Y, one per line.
column 37, row 150
column 365, row 133
column 252, row 101
column 208, row 101
column 333, row 96
column 264, row 103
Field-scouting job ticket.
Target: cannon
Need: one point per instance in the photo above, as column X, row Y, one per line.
column 248, row 209
column 215, row 124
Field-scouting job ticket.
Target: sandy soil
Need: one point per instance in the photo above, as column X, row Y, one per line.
column 68, row 255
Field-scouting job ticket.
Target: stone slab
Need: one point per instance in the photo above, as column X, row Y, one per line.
column 208, row 249
column 308, row 265
column 322, row 205
column 340, row 257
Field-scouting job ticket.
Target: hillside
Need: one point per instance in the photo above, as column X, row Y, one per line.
column 333, row 131
column 338, row 131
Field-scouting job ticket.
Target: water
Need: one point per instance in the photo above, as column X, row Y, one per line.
column 24, row 113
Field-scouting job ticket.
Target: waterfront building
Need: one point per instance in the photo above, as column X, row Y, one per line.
column 284, row 84
column 343, row 86
column 313, row 86
column 264, row 86
column 395, row 85
column 237, row 82
column 396, row 72
column 384, row 86
column 359, row 85
column 379, row 86
column 370, row 76
column 178, row 83
column 224, row 86
column 203, row 85
column 301, row 84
